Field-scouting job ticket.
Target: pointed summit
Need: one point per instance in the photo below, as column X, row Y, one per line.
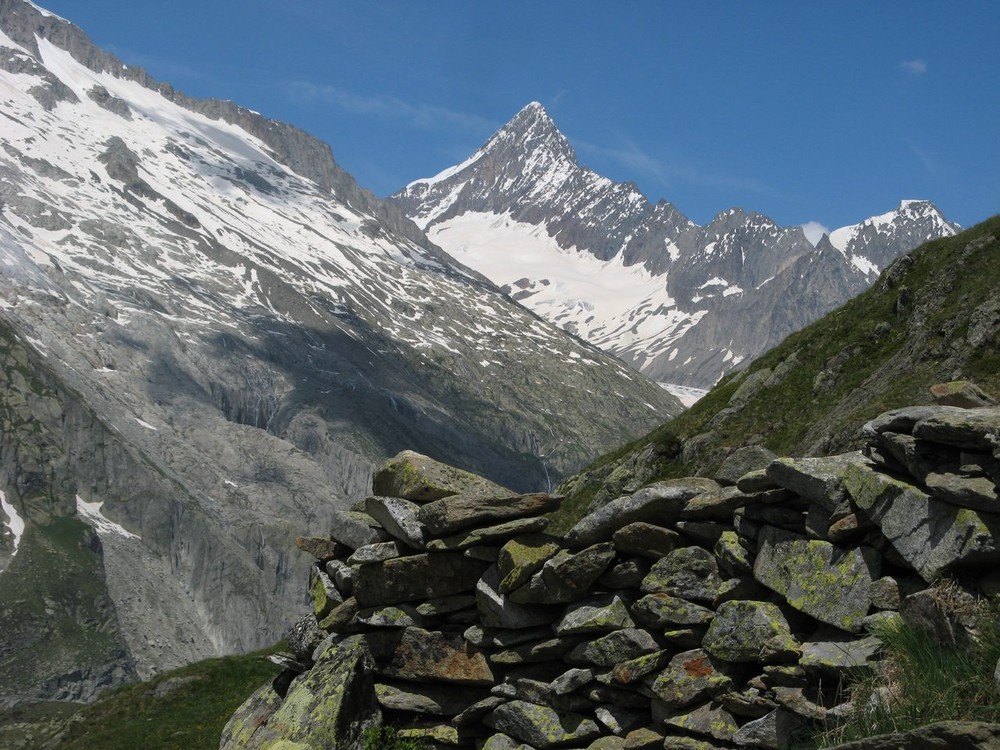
column 525, row 159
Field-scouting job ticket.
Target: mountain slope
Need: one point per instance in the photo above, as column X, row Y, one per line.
column 680, row 302
column 932, row 316
column 247, row 331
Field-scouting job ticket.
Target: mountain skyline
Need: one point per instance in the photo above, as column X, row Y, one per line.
column 681, row 302
column 809, row 114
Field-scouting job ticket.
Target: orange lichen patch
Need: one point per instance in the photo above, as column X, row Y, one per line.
column 698, row 667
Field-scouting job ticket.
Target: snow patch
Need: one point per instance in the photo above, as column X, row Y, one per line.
column 147, row 425
column 14, row 522
column 687, row 395
column 91, row 512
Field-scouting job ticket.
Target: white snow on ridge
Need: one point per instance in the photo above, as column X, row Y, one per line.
column 445, row 174
column 91, row 513
column 14, row 522
column 597, row 300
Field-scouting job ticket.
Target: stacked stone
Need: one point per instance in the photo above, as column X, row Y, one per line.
column 691, row 614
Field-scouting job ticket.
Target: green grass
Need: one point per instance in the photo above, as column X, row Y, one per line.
column 387, row 737
column 920, row 682
column 195, row 703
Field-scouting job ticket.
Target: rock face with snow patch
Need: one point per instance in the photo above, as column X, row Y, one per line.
column 244, row 332
column 680, row 302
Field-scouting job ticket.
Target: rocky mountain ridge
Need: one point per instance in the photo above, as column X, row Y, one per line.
column 682, row 303
column 694, row 612
column 245, row 332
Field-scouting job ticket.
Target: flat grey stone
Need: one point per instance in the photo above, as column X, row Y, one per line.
column 820, row 480
column 645, row 539
column 459, row 512
column 422, row 576
column 689, row 573
column 594, row 615
column 658, row 503
column 540, row 726
column 399, row 518
column 498, row 611
column 613, row 648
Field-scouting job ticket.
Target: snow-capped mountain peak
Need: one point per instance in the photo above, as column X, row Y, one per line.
column 681, row 302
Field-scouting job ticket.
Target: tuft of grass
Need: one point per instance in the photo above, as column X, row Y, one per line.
column 920, row 681
column 387, row 737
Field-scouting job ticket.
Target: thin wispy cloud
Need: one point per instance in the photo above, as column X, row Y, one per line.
column 914, row 67
column 814, row 231
column 635, row 159
column 382, row 106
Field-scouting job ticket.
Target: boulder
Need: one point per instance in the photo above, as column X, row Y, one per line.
column 420, row 479
column 423, row 576
column 540, row 726
column 427, row 655
column 497, row 610
column 399, row 518
column 689, row 573
column 322, row 548
column 613, row 648
column 815, row 577
column 749, row 631
column 715, row 505
column 775, row 731
column 663, row 610
column 819, row 480
column 485, row 535
column 961, row 393
column 434, row 700
column 658, row 503
column 521, row 558
column 690, row 677
column 742, row 461
column 645, row 539
column 709, row 720
column 566, row 576
column 971, row 429
column 840, row 657
column 458, row 512
column 594, row 615
column 354, row 529
column 977, row 493
column 931, row 535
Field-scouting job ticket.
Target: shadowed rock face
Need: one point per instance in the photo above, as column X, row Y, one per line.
column 224, row 333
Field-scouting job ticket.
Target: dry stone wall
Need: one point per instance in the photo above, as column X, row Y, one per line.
column 695, row 613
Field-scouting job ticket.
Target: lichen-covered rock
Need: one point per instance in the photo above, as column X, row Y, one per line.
column 820, row 480
column 594, row 615
column 399, row 518
column 540, row 726
column 972, row 429
column 690, row 677
column 645, row 539
column 931, row 535
column 322, row 548
column 775, row 731
column 658, row 503
column 732, row 556
column 741, row 461
column 627, row 672
column 354, row 529
column 521, row 558
column 416, row 477
column 434, row 700
column 715, row 505
column 689, row 573
column 566, row 576
column 840, row 657
column 423, row 576
column 962, row 393
column 458, row 512
column 977, row 493
column 322, row 592
column 664, row 610
column 329, row 706
column 816, row 577
column 485, row 535
column 421, row 655
column 613, row 648
column 746, row 631
column 710, row 720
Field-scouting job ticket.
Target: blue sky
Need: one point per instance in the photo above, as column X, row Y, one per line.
column 805, row 111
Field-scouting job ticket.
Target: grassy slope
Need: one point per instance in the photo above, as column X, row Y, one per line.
column 186, row 708
column 881, row 350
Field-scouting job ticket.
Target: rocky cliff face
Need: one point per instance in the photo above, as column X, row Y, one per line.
column 691, row 613
column 247, row 332
column 682, row 303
